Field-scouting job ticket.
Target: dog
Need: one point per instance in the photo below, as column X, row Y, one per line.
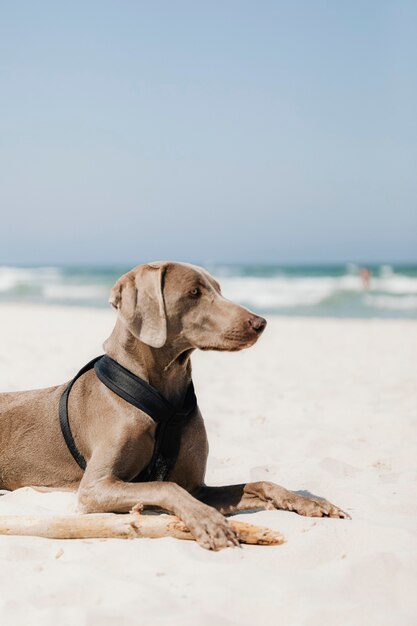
column 165, row 311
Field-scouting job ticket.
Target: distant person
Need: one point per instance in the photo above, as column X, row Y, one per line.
column 365, row 275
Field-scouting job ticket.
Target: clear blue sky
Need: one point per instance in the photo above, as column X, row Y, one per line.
column 230, row 131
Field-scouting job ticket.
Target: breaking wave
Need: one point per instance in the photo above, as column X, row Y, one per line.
column 307, row 290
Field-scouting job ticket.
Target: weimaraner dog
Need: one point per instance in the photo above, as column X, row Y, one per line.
column 165, row 311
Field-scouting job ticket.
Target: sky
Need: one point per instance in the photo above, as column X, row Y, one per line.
column 208, row 131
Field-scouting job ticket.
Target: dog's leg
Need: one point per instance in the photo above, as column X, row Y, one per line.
column 108, row 494
column 265, row 495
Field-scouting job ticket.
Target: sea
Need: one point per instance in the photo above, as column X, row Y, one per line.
column 290, row 290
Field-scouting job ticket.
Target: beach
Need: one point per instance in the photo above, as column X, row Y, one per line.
column 320, row 405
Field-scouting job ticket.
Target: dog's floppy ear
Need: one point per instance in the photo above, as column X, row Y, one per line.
column 138, row 297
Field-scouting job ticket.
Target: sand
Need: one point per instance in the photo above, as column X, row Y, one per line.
column 326, row 406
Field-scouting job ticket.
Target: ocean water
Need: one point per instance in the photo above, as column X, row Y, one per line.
column 330, row 290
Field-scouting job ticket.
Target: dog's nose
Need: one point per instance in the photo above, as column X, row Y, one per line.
column 257, row 323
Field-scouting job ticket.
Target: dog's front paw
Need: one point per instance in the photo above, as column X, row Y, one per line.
column 210, row 528
column 312, row 507
column 281, row 498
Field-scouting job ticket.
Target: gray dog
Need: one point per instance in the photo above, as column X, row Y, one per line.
column 165, row 311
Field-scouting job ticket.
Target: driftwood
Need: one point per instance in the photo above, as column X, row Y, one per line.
column 116, row 526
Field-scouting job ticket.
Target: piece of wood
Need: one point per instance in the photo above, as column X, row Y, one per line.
column 116, row 526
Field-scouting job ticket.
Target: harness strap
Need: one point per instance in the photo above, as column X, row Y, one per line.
column 170, row 421
column 133, row 389
column 168, row 442
column 63, row 416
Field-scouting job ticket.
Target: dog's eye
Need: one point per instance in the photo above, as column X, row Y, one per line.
column 195, row 292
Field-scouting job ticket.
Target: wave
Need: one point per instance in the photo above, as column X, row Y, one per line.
column 332, row 290
column 53, row 284
column 284, row 292
column 399, row 303
column 12, row 278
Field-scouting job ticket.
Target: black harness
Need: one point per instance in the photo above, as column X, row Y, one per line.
column 170, row 420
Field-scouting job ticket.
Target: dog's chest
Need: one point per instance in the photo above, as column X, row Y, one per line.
column 190, row 466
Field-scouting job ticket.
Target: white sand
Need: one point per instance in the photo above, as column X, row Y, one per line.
column 322, row 405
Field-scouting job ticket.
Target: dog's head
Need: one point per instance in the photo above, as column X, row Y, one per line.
column 183, row 304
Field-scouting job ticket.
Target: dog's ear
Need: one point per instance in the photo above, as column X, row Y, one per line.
column 138, row 297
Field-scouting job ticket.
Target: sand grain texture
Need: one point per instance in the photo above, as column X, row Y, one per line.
column 327, row 407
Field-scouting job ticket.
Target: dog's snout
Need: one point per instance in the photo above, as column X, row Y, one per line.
column 257, row 323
